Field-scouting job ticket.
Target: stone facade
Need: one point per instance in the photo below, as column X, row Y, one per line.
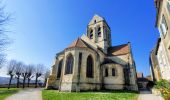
column 163, row 62
column 154, row 65
column 91, row 63
column 163, row 25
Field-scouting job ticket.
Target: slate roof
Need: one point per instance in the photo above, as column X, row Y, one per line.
column 119, row 50
column 109, row 61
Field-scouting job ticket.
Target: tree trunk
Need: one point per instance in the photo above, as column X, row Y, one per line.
column 24, row 82
column 18, row 81
column 28, row 82
column 11, row 76
column 36, row 82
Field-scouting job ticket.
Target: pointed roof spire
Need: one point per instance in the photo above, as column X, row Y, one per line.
column 96, row 18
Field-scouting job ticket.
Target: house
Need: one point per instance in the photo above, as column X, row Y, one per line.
column 154, row 65
column 163, row 47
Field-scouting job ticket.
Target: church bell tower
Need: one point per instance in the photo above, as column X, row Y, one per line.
column 99, row 32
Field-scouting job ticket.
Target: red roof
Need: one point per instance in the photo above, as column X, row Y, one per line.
column 119, row 50
column 112, row 51
column 78, row 43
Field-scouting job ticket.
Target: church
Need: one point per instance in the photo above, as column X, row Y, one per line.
column 91, row 63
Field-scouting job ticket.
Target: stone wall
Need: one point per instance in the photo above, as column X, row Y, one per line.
column 163, row 63
column 113, row 82
column 125, row 60
column 72, row 79
column 103, row 41
column 163, row 10
column 71, row 82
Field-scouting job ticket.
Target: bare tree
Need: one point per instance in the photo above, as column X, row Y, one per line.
column 10, row 68
column 30, row 73
column 46, row 75
column 24, row 74
column 18, row 71
column 38, row 72
column 4, row 18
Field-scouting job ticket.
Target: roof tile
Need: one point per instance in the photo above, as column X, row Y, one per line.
column 119, row 50
column 78, row 43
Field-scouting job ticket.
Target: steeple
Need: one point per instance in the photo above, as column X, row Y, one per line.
column 99, row 32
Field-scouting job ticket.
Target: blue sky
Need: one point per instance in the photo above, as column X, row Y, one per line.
column 41, row 28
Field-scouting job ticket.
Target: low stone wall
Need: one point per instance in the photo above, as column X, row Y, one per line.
column 72, row 87
column 131, row 87
column 158, row 93
column 114, row 87
column 66, row 87
column 90, row 86
column 155, row 91
column 51, row 82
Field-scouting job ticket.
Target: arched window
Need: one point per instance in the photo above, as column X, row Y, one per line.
column 59, row 69
column 69, row 64
column 113, row 72
column 91, row 34
column 94, row 21
column 89, row 68
column 99, row 32
column 164, row 26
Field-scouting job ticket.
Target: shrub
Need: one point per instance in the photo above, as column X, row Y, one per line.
column 164, row 87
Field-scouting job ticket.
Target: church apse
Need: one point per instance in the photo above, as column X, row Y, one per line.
column 92, row 63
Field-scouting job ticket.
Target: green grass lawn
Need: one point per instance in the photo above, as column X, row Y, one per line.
column 114, row 95
column 4, row 92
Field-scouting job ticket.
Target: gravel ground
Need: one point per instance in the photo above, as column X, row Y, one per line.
column 147, row 95
column 27, row 94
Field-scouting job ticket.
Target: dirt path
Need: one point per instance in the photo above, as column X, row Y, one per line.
column 27, row 94
column 147, row 95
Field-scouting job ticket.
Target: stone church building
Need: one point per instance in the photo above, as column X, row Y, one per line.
column 92, row 63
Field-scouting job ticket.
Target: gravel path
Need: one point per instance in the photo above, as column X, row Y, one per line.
column 27, row 94
column 147, row 95
column 35, row 94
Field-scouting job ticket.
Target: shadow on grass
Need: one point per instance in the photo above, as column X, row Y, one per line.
column 90, row 95
column 100, row 91
column 111, row 91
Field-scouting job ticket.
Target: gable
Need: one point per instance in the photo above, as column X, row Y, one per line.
column 78, row 43
column 96, row 18
column 89, row 42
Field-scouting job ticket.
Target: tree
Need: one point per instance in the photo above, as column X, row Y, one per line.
column 4, row 18
column 30, row 73
column 24, row 74
column 46, row 75
column 18, row 71
column 38, row 72
column 10, row 68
